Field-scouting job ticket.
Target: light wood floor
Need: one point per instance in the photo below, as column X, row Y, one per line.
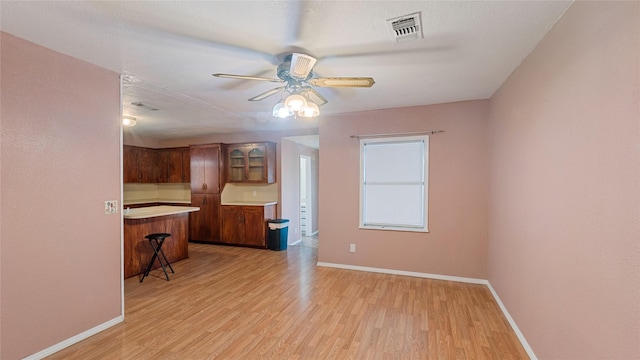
column 238, row 303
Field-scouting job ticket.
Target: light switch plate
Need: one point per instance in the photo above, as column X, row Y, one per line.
column 352, row 247
column 111, row 207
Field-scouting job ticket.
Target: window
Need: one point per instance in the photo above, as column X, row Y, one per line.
column 393, row 183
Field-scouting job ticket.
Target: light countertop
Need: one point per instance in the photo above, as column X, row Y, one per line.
column 135, row 202
column 154, row 211
column 250, row 203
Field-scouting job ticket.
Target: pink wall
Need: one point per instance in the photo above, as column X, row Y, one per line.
column 60, row 254
column 458, row 192
column 564, row 239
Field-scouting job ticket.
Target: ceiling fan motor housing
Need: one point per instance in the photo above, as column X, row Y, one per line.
column 284, row 74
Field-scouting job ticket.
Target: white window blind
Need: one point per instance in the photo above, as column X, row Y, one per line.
column 393, row 183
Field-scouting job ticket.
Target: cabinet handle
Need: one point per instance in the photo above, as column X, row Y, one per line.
column 204, row 186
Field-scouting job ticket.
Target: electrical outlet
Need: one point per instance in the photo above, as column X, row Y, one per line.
column 111, row 207
column 352, row 247
column 255, row 193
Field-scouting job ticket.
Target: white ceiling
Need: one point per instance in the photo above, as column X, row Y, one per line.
column 167, row 51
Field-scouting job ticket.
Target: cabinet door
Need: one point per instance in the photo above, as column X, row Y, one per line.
column 162, row 166
column 231, row 220
column 146, row 162
column 196, row 156
column 256, row 163
column 129, row 164
column 186, row 166
column 174, row 166
column 211, row 169
column 254, row 226
column 236, row 164
column 205, row 171
column 204, row 225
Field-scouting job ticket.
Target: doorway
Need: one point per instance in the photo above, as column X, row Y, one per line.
column 306, row 208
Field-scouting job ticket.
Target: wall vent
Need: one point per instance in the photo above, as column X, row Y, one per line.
column 144, row 106
column 406, row 28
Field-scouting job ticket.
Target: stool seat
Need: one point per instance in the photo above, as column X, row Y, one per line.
column 156, row 240
column 157, row 236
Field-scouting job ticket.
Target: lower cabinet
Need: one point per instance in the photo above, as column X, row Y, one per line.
column 246, row 225
column 204, row 225
column 137, row 251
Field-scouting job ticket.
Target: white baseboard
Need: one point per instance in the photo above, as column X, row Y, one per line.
column 405, row 273
column 515, row 328
column 66, row 343
column 295, row 242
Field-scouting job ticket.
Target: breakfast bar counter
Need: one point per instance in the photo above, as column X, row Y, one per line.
column 141, row 222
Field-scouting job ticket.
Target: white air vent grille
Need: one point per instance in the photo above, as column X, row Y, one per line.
column 406, row 28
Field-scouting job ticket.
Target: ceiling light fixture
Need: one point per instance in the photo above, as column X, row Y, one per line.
column 296, row 105
column 129, row 121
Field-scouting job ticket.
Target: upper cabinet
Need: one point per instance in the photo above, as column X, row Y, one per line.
column 138, row 164
column 251, row 163
column 145, row 165
column 205, row 169
column 177, row 164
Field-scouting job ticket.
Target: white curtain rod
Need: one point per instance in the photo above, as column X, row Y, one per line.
column 430, row 132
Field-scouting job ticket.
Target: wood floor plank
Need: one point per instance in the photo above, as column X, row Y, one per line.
column 241, row 303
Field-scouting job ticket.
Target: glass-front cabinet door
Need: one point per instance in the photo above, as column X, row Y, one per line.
column 256, row 164
column 236, row 165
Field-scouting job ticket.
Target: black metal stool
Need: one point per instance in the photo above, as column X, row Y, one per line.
column 156, row 241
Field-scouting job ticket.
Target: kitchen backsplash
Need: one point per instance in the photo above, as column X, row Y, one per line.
column 243, row 192
column 142, row 193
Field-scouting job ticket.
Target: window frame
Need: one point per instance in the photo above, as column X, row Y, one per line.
column 363, row 224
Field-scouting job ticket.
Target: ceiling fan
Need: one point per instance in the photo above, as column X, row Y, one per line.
column 296, row 73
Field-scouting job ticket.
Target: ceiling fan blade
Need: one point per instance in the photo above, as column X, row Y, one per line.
column 316, row 97
column 342, row 82
column 245, row 77
column 266, row 94
column 301, row 65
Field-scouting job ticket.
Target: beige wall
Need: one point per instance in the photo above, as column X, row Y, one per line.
column 458, row 192
column 60, row 146
column 564, row 244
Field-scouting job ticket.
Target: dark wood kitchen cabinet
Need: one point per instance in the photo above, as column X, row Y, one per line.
column 205, row 169
column 145, row 165
column 246, row 225
column 138, row 164
column 205, row 192
column 186, row 164
column 129, row 164
column 161, row 164
column 204, row 225
column 251, row 163
column 177, row 172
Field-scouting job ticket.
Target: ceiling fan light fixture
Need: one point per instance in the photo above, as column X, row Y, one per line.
column 295, row 102
column 129, row 121
column 281, row 111
column 309, row 111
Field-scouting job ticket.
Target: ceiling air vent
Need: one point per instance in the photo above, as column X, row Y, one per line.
column 406, row 28
column 144, row 106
